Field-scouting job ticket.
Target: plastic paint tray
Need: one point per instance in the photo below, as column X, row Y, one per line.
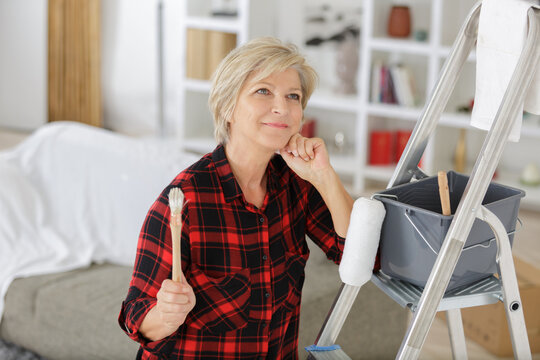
column 414, row 230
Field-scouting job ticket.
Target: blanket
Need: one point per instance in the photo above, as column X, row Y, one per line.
column 71, row 194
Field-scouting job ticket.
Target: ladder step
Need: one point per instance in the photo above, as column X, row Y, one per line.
column 483, row 292
column 337, row 354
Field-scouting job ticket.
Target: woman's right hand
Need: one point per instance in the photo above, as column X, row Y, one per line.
column 174, row 302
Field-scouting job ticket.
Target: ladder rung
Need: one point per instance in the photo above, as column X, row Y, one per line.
column 337, row 354
column 482, row 292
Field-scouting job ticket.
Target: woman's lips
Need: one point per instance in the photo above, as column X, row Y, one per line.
column 277, row 125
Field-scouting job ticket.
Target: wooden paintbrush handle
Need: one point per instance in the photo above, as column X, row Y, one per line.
column 176, row 230
column 444, row 193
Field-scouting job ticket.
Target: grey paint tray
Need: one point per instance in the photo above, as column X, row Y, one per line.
column 414, row 229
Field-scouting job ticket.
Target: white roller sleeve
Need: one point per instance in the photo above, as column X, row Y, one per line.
column 362, row 241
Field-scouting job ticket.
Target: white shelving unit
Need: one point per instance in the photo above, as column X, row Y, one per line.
column 195, row 126
column 442, row 19
column 355, row 115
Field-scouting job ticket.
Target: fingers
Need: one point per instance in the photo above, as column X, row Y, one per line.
column 302, row 147
column 175, row 297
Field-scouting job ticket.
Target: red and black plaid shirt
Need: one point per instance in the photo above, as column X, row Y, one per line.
column 245, row 264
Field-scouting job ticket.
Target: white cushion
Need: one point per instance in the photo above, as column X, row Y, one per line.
column 96, row 185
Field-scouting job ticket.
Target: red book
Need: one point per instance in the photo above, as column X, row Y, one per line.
column 309, row 128
column 380, row 148
column 402, row 137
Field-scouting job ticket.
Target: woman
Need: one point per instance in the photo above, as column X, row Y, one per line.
column 248, row 207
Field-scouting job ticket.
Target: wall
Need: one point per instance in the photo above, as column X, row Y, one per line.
column 23, row 63
column 129, row 64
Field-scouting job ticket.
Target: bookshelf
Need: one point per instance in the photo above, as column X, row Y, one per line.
column 355, row 116
column 206, row 40
column 442, row 20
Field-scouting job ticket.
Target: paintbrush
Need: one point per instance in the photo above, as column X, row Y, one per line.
column 176, row 201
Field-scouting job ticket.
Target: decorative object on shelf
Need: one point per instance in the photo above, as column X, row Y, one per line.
column 224, row 8
column 420, row 35
column 460, row 152
column 339, row 142
column 347, row 61
column 331, row 36
column 381, row 148
column 399, row 21
column 530, row 175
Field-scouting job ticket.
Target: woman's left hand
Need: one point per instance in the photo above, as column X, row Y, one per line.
column 307, row 157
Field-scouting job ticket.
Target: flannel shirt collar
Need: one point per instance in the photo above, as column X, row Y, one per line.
column 230, row 186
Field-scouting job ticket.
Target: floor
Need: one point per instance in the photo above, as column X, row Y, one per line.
column 437, row 344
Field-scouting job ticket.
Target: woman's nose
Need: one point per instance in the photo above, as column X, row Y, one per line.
column 280, row 106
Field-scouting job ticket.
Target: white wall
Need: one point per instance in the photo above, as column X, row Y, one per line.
column 23, row 63
column 129, row 64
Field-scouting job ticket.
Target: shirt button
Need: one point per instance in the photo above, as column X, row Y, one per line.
column 267, row 295
column 263, row 325
column 261, row 219
column 265, row 257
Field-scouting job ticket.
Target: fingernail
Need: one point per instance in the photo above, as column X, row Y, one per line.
column 295, row 153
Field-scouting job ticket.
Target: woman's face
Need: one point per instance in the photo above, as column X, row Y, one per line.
column 268, row 112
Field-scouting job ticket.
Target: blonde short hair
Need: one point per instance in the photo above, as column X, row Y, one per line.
column 267, row 55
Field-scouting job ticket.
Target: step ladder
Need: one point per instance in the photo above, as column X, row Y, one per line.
column 424, row 304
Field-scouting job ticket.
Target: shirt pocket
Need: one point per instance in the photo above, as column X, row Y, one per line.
column 296, row 264
column 222, row 302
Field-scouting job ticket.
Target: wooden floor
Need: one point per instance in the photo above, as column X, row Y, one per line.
column 437, row 345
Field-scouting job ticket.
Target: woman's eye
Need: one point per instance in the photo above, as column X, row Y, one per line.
column 263, row 91
column 294, row 96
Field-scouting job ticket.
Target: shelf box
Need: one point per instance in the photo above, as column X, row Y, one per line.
column 205, row 50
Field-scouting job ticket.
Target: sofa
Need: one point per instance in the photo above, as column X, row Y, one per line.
column 73, row 198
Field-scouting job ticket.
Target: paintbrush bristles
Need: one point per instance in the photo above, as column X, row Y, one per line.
column 176, row 200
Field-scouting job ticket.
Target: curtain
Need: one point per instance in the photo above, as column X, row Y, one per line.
column 74, row 53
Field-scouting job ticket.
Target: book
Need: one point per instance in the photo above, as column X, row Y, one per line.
column 376, row 82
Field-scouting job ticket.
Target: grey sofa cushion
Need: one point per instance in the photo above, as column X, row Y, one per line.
column 73, row 315
column 70, row 315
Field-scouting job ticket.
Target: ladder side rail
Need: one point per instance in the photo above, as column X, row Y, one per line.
column 337, row 315
column 510, row 289
column 457, row 335
column 474, row 193
column 407, row 165
column 465, row 41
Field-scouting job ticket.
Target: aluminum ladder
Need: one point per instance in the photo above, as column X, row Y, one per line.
column 426, row 303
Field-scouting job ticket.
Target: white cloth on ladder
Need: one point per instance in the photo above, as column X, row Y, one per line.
column 362, row 241
column 502, row 31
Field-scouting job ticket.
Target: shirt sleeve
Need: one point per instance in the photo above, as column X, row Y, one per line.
column 320, row 227
column 153, row 264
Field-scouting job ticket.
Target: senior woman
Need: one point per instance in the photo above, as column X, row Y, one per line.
column 248, row 207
